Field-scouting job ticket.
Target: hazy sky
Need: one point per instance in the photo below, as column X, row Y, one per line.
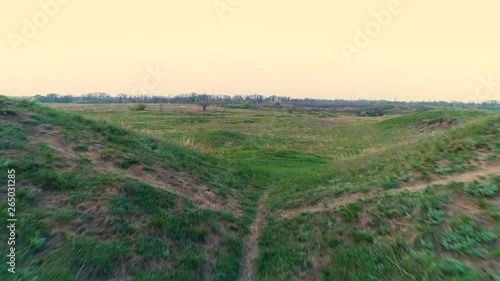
column 407, row 49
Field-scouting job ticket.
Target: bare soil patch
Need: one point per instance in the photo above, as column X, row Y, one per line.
column 437, row 124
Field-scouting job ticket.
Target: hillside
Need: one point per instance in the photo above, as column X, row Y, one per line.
column 250, row 195
column 97, row 202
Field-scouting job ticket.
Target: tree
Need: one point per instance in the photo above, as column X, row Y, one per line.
column 204, row 102
column 52, row 97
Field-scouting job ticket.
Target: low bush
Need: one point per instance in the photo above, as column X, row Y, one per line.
column 138, row 107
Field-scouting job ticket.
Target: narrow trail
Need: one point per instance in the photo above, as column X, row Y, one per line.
column 250, row 247
column 323, row 206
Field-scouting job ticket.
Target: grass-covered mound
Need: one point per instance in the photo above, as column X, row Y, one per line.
column 88, row 207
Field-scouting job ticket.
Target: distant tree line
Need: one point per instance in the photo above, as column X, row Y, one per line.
column 256, row 99
column 192, row 98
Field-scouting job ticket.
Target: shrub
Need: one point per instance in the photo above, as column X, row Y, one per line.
column 138, row 107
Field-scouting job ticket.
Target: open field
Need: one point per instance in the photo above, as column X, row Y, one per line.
column 252, row 194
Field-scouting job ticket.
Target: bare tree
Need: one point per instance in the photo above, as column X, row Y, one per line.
column 204, row 102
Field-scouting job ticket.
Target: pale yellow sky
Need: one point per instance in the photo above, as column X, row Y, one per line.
column 407, row 49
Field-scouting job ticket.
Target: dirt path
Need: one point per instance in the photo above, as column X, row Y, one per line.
column 484, row 170
column 251, row 248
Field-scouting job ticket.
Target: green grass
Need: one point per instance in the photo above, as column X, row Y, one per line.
column 479, row 189
column 412, row 250
column 463, row 237
column 78, row 219
column 70, row 225
column 359, row 262
column 13, row 136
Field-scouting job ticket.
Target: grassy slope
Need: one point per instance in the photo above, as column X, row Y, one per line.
column 444, row 152
column 442, row 233
column 77, row 219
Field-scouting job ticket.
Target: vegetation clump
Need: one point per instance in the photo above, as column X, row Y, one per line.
column 371, row 112
column 138, row 107
column 481, row 189
column 464, row 237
